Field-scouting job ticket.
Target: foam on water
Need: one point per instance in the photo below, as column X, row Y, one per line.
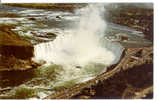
column 83, row 44
column 76, row 55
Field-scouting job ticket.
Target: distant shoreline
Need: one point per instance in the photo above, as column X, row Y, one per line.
column 54, row 6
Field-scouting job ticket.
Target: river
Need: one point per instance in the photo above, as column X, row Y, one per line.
column 75, row 46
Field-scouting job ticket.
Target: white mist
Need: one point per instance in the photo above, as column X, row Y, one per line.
column 83, row 45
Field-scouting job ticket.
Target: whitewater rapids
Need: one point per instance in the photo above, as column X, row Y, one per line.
column 76, row 55
column 82, row 46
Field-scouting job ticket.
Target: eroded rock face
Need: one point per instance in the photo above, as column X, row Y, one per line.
column 21, row 52
column 12, row 63
column 15, row 53
column 12, row 45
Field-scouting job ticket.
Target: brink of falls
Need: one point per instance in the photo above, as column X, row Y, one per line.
column 78, row 54
column 82, row 45
column 81, row 52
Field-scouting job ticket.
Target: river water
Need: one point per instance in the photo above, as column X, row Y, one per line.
column 84, row 47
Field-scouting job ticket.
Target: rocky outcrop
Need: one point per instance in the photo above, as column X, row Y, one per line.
column 12, row 63
column 12, row 45
column 15, row 53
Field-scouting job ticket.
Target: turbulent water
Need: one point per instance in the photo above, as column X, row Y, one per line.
column 82, row 51
column 79, row 53
column 81, row 45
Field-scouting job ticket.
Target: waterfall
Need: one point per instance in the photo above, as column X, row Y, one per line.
column 83, row 44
